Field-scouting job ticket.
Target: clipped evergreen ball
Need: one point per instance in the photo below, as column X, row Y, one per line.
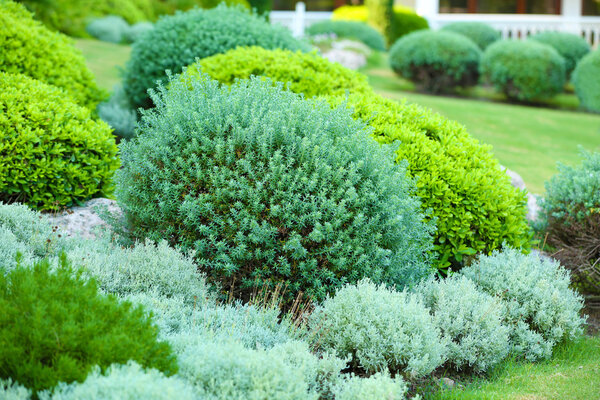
column 481, row 34
column 306, row 73
column 177, row 41
column 55, row 327
column 349, row 30
column 586, row 82
column 27, row 47
column 53, row 155
column 436, row 61
column 268, row 189
column 108, row 29
column 524, row 70
column 571, row 47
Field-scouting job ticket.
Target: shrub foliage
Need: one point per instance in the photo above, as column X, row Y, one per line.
column 53, row 154
column 436, row 61
column 587, row 84
column 481, row 34
column 350, row 30
column 571, row 47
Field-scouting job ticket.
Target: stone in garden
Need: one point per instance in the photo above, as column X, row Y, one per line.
column 533, row 208
column 85, row 220
column 348, row 58
column 447, row 382
column 351, row 45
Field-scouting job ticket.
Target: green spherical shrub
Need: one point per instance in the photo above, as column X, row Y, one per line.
column 470, row 321
column 540, row 308
column 301, row 198
column 53, row 155
column 571, row 220
column 587, row 84
column 524, row 70
column 474, row 205
column 108, row 29
column 306, row 73
column 571, row 47
column 405, row 21
column 481, row 34
column 349, row 30
column 177, row 41
column 381, row 329
column 436, row 61
column 55, row 327
column 29, row 48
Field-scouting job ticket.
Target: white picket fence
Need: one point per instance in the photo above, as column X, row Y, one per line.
column 299, row 19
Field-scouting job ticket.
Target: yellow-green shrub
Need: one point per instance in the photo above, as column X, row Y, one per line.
column 53, row 154
column 29, row 48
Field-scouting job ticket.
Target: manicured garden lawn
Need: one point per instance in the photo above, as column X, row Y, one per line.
column 528, row 140
column 104, row 59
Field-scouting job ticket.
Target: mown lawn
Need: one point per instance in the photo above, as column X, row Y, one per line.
column 104, row 59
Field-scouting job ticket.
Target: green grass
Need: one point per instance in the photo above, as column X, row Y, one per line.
column 528, row 140
column 104, row 59
column 572, row 373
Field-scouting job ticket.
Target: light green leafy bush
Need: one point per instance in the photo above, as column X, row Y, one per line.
column 481, row 34
column 108, row 29
column 123, row 382
column 29, row 48
column 55, row 327
column 470, row 321
column 176, row 41
column 570, row 220
column 376, row 387
column 10, row 390
column 306, row 73
column 586, row 82
column 349, row 30
column 380, row 328
column 570, row 46
column 53, row 155
column 524, row 70
column 303, row 199
column 436, row 61
column 474, row 205
column 540, row 308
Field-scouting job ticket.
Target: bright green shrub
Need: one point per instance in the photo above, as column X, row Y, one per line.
column 539, row 307
column 10, row 390
column 380, row 328
column 176, row 41
column 570, row 215
column 524, row 70
column 470, row 321
column 587, row 84
column 306, row 73
column 108, row 29
column 376, row 387
column 350, row 30
column 55, row 327
column 436, row 61
column 261, row 6
column 380, row 15
column 302, row 198
column 474, row 205
column 27, row 47
column 481, row 34
column 571, row 47
column 124, row 382
column 53, row 155
column 72, row 16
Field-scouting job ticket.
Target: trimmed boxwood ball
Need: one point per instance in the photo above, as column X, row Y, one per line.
column 29, row 48
column 571, row 47
column 350, row 30
column 306, row 73
column 177, row 41
column 53, row 155
column 482, row 34
column 436, row 61
column 271, row 189
column 586, row 82
column 55, row 327
column 524, row 70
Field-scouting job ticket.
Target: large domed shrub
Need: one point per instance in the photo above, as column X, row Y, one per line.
column 571, row 47
column 436, row 61
column 53, row 154
column 524, row 70
column 29, row 48
column 481, row 34
column 178, row 40
column 306, row 73
column 350, row 30
column 587, row 84
column 55, row 327
column 270, row 189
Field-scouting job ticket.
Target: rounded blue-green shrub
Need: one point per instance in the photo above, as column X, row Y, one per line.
column 482, row 34
column 267, row 188
column 350, row 30
column 586, row 82
column 571, row 47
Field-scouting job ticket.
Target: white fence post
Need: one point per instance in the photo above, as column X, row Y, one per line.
column 299, row 19
column 428, row 9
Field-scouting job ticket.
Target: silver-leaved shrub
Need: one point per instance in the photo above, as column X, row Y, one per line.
column 10, row 390
column 376, row 387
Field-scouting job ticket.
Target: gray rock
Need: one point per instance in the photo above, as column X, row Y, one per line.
column 348, row 58
column 447, row 382
column 351, row 45
column 533, row 209
column 84, row 221
column 515, row 178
